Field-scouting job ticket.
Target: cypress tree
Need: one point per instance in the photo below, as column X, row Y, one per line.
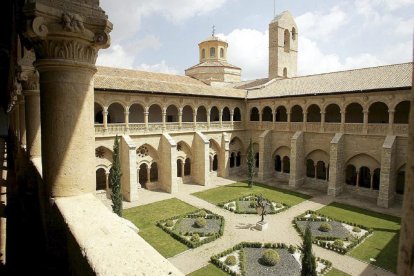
column 308, row 259
column 116, row 180
column 250, row 164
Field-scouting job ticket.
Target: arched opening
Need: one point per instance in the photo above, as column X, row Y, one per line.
column 354, row 113
column 154, row 172
column 201, row 114
column 310, row 168
column 187, row 167
column 171, row 114
column 187, row 114
column 314, row 113
column 400, row 185
column 226, row 115
column 321, row 170
column 143, row 175
column 214, row 114
column 100, row 179
column 364, row 177
column 212, row 52
column 232, row 159
column 116, row 114
column 221, row 53
column 350, row 175
column 98, row 111
column 267, row 114
column 333, row 114
column 203, row 53
column 376, row 179
column 285, row 72
column 136, row 114
column 257, row 159
column 378, row 113
column 237, row 115
column 286, row 164
column 278, row 163
column 215, row 163
column 281, row 114
column 179, row 168
column 287, row 41
column 238, row 159
column 155, row 114
column 402, row 112
column 254, row 114
column 296, row 114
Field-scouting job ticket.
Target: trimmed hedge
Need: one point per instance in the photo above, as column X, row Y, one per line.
column 248, row 198
column 181, row 237
column 270, row 258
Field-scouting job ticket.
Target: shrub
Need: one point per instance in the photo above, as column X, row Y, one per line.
column 252, row 204
column 279, row 205
column 169, row 223
column 231, row 205
column 195, row 237
column 230, row 260
column 339, row 243
column 202, row 213
column 356, row 229
column 291, row 249
column 325, row 227
column 270, row 257
column 200, row 222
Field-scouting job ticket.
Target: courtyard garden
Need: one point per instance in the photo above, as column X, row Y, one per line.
column 247, row 205
column 232, row 192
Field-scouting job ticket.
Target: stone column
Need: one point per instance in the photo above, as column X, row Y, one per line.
column 148, row 174
column 22, row 121
column 32, row 111
column 260, row 119
column 357, row 178
column 232, row 118
column 180, row 118
column 388, row 173
column 195, row 119
column 221, row 118
column 391, row 114
column 322, row 121
column 343, row 114
column 208, row 118
column 336, row 165
column 66, row 46
column 365, row 127
column 182, row 169
column 305, row 120
column 297, row 160
column 105, row 117
column 126, row 116
column 146, row 113
column 164, row 115
column 107, row 182
column 288, row 120
column 371, row 183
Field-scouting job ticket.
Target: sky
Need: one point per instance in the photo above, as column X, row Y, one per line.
column 163, row 35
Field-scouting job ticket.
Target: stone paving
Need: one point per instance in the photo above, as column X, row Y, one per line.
column 240, row 227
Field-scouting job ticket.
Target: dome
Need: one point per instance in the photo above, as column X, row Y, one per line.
column 213, row 38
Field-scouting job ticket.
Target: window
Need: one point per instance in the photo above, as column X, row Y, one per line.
column 285, row 72
column 221, row 53
column 287, row 41
column 212, row 52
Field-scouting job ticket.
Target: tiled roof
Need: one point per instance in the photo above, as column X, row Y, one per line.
column 215, row 63
column 374, row 78
column 251, row 83
column 140, row 81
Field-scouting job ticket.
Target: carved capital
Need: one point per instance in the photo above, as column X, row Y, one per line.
column 66, row 30
column 29, row 78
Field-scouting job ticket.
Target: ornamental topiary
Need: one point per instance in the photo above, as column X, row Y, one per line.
column 230, row 260
column 325, row 227
column 339, row 243
column 200, row 222
column 202, row 213
column 270, row 257
column 169, row 223
column 195, row 237
column 356, row 229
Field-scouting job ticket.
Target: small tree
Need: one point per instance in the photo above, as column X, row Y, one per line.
column 116, row 180
column 250, row 164
column 308, row 259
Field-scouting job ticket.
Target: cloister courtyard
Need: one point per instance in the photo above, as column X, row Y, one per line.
column 376, row 254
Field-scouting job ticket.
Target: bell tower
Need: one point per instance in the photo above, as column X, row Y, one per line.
column 283, row 46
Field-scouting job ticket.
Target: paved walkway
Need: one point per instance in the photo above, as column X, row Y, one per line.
column 239, row 228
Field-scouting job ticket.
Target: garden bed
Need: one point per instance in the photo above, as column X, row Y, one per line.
column 195, row 228
column 339, row 236
column 249, row 260
column 247, row 205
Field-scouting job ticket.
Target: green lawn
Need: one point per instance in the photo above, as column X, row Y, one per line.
column 236, row 190
column 209, row 270
column 336, row 272
column 145, row 218
column 382, row 245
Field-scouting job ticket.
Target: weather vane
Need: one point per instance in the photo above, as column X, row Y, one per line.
column 214, row 30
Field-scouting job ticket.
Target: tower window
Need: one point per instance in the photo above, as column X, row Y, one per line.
column 212, row 52
column 221, row 53
column 285, row 72
column 287, row 41
column 203, row 53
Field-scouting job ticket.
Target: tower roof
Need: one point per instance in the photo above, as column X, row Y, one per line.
column 213, row 38
column 286, row 15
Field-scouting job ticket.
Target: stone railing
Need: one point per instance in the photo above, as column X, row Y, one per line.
column 313, row 127
column 296, row 126
column 400, row 129
column 238, row 125
column 281, row 126
column 332, row 127
column 267, row 125
column 379, row 129
column 187, row 126
column 354, row 128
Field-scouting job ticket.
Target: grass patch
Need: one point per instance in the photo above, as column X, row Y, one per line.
column 382, row 245
column 240, row 189
column 336, row 272
column 145, row 218
column 208, row 270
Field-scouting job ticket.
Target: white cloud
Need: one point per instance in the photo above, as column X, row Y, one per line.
column 115, row 56
column 248, row 49
column 161, row 67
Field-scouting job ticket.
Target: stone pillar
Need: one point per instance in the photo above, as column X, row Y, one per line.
column 201, row 160
column 128, row 158
column 357, row 178
column 288, row 120
column 322, row 121
column 388, row 172
column 149, row 174
column 297, row 160
column 305, row 120
column 164, row 117
column 22, row 121
column 391, row 114
column 146, row 113
column 365, row 127
column 208, row 118
column 66, row 46
column 182, row 168
column 260, row 119
column 343, row 114
column 337, row 165
column 180, row 118
column 265, row 154
column 105, row 117
column 195, row 119
column 221, row 118
column 168, row 164
column 371, row 183
column 232, row 118
column 107, row 182
column 224, row 156
column 126, row 118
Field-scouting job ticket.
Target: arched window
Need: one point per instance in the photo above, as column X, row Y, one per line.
column 281, row 114
column 154, row 172
column 172, row 114
column 378, row 113
column 297, row 114
column 287, row 41
column 214, row 114
column 278, row 163
column 187, row 167
column 237, row 115
column 351, row 175
column 221, row 53
column 98, row 113
column 364, row 177
column 321, row 170
column 232, row 160
column 179, row 168
column 254, row 114
column 212, row 52
column 267, row 114
column 187, row 114
column 201, row 114
column 155, row 114
column 203, row 53
column 136, row 114
column 333, row 114
column 376, row 179
column 215, row 163
column 354, row 113
column 285, row 72
column 257, row 159
column 100, row 179
column 402, row 111
column 286, row 164
column 310, row 168
column 238, row 159
column 399, row 187
column 314, row 113
column 226, row 115
column 116, row 114
column 143, row 175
